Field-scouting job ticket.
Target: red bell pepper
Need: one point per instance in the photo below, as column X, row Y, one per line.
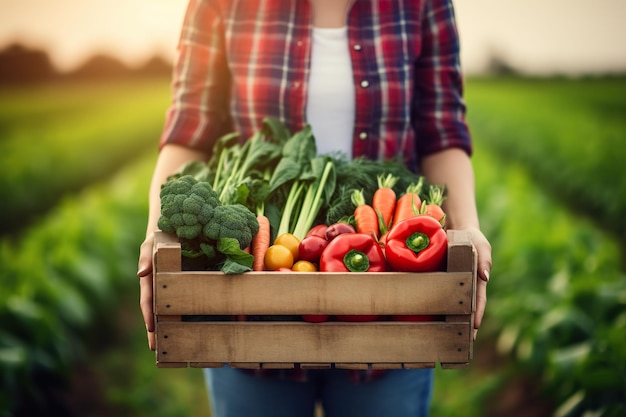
column 353, row 252
column 417, row 244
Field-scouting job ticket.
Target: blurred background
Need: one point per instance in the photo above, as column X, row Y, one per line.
column 84, row 86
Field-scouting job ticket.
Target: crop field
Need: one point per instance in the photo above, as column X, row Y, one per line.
column 62, row 138
column 76, row 161
column 569, row 135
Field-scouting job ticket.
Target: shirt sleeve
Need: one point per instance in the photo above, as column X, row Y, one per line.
column 199, row 110
column 439, row 110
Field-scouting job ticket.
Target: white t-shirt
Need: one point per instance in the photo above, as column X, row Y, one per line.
column 330, row 108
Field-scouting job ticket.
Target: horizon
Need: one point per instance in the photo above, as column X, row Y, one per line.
column 523, row 36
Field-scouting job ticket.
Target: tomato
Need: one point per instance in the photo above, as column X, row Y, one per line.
column 278, row 256
column 315, row 318
column 304, row 266
column 291, row 242
column 357, row 317
column 319, row 230
column 311, row 248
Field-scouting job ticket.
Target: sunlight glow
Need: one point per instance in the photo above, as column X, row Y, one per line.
column 534, row 36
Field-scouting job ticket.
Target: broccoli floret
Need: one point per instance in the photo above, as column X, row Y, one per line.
column 234, row 221
column 186, row 206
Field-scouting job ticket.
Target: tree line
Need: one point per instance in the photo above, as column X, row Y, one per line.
column 23, row 65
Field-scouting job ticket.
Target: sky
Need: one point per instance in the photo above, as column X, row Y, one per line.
column 535, row 36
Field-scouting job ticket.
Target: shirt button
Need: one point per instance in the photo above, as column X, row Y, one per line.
column 365, row 83
column 299, row 43
column 363, row 135
column 357, row 47
column 296, row 84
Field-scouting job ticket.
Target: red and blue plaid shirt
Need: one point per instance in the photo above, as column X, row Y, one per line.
column 240, row 61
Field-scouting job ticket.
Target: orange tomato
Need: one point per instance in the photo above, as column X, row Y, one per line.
column 304, row 266
column 291, row 242
column 278, row 256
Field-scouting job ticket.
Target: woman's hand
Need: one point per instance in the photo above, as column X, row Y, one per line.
column 483, row 251
column 144, row 272
column 170, row 160
column 452, row 168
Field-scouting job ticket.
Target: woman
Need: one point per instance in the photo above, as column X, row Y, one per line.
column 374, row 78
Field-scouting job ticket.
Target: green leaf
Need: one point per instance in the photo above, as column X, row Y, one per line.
column 208, row 250
column 232, row 267
column 287, row 170
column 275, row 131
column 242, row 193
column 258, row 192
column 298, row 153
column 258, row 154
column 237, row 261
column 189, row 250
column 197, row 169
column 301, row 146
column 225, row 142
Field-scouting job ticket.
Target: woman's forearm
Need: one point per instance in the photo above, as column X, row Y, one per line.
column 452, row 168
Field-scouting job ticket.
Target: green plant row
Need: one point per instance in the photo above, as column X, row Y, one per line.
column 62, row 278
column 570, row 133
column 58, row 139
column 557, row 297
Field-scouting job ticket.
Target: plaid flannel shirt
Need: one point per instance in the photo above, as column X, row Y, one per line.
column 242, row 60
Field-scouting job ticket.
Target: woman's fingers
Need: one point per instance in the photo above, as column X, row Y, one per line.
column 144, row 271
column 484, row 264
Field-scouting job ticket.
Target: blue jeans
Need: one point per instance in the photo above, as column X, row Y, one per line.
column 398, row 393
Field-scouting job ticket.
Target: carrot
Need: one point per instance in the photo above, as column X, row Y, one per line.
column 409, row 204
column 260, row 243
column 432, row 206
column 384, row 201
column 365, row 216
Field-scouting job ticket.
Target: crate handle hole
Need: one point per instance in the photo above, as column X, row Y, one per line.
column 164, row 353
column 166, row 336
column 459, row 350
column 460, row 302
column 167, row 306
column 164, row 285
column 461, row 283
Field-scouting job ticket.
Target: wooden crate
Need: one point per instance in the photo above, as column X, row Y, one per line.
column 286, row 344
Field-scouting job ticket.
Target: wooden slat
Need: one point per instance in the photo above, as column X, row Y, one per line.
column 205, row 365
column 245, row 365
column 169, row 318
column 376, row 342
column 167, row 255
column 193, row 293
column 446, row 365
column 353, row 366
column 419, row 365
column 386, row 366
column 316, row 365
column 162, row 364
column 462, row 257
column 277, row 365
column 461, row 252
